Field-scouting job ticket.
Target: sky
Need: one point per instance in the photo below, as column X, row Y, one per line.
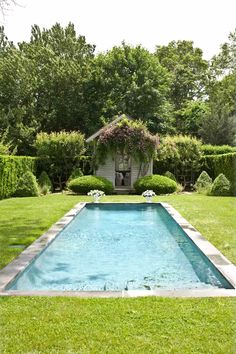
column 107, row 23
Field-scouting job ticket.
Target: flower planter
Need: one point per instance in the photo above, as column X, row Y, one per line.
column 148, row 199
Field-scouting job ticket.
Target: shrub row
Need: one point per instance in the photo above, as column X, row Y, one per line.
column 217, row 149
column 217, row 164
column 11, row 169
column 221, row 185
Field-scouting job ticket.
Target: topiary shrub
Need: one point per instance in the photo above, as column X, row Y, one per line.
column 221, row 186
column 204, row 182
column 27, row 186
column 159, row 184
column 170, row 175
column 226, row 163
column 45, row 183
column 82, row 185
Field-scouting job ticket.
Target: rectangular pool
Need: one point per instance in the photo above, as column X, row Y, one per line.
column 118, row 246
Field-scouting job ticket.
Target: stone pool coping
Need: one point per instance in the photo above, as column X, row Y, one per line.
column 224, row 266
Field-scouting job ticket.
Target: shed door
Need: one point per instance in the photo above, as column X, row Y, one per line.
column 123, row 171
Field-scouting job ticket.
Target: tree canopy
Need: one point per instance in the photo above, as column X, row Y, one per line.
column 56, row 82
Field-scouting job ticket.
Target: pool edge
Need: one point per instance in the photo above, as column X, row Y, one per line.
column 9, row 273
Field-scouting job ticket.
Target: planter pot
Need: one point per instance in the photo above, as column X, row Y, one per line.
column 148, row 199
column 96, row 199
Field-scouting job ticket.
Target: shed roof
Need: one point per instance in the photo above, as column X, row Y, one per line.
column 113, row 122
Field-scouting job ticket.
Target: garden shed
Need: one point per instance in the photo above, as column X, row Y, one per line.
column 123, row 152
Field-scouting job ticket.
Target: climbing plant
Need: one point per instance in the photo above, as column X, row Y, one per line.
column 127, row 137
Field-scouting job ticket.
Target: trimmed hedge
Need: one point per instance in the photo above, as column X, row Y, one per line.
column 82, row 185
column 217, row 164
column 159, row 184
column 11, row 169
column 217, row 149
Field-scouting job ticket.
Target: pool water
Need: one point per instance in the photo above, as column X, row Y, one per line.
column 121, row 246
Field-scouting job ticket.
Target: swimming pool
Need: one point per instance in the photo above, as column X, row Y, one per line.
column 122, row 247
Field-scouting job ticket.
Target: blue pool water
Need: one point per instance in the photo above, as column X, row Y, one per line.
column 121, row 246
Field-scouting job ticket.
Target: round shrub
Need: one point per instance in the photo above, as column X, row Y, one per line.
column 203, row 183
column 44, row 182
column 221, row 186
column 27, row 186
column 82, row 185
column 159, row 184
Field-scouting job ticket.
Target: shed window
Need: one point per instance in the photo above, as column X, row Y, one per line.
column 123, row 170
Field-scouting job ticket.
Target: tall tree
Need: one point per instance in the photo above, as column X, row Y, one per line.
column 130, row 80
column 188, row 70
column 41, row 84
column 224, row 63
column 219, row 125
column 6, row 4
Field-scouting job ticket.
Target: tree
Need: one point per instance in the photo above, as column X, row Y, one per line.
column 180, row 155
column 189, row 119
column 225, row 62
column 6, row 4
column 41, row 84
column 59, row 154
column 130, row 80
column 61, row 61
column 219, row 125
column 188, row 70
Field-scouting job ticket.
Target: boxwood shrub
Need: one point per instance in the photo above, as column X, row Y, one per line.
column 27, row 186
column 45, row 182
column 221, row 186
column 217, row 164
column 204, row 183
column 82, row 185
column 159, row 184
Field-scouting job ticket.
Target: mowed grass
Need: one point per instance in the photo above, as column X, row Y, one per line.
column 144, row 325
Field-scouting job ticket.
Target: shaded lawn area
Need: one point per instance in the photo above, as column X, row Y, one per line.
column 144, row 325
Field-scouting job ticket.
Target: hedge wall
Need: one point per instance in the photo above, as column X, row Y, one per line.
column 11, row 169
column 217, row 149
column 225, row 163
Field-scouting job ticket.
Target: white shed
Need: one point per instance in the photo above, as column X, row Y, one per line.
column 121, row 170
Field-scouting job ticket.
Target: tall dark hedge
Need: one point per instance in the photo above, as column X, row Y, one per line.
column 217, row 164
column 11, row 169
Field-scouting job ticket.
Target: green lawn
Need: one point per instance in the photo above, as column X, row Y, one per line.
column 144, row 325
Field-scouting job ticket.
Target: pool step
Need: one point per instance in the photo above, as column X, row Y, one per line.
column 123, row 190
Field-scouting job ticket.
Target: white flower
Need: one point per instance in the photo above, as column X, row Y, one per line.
column 149, row 194
column 96, row 193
